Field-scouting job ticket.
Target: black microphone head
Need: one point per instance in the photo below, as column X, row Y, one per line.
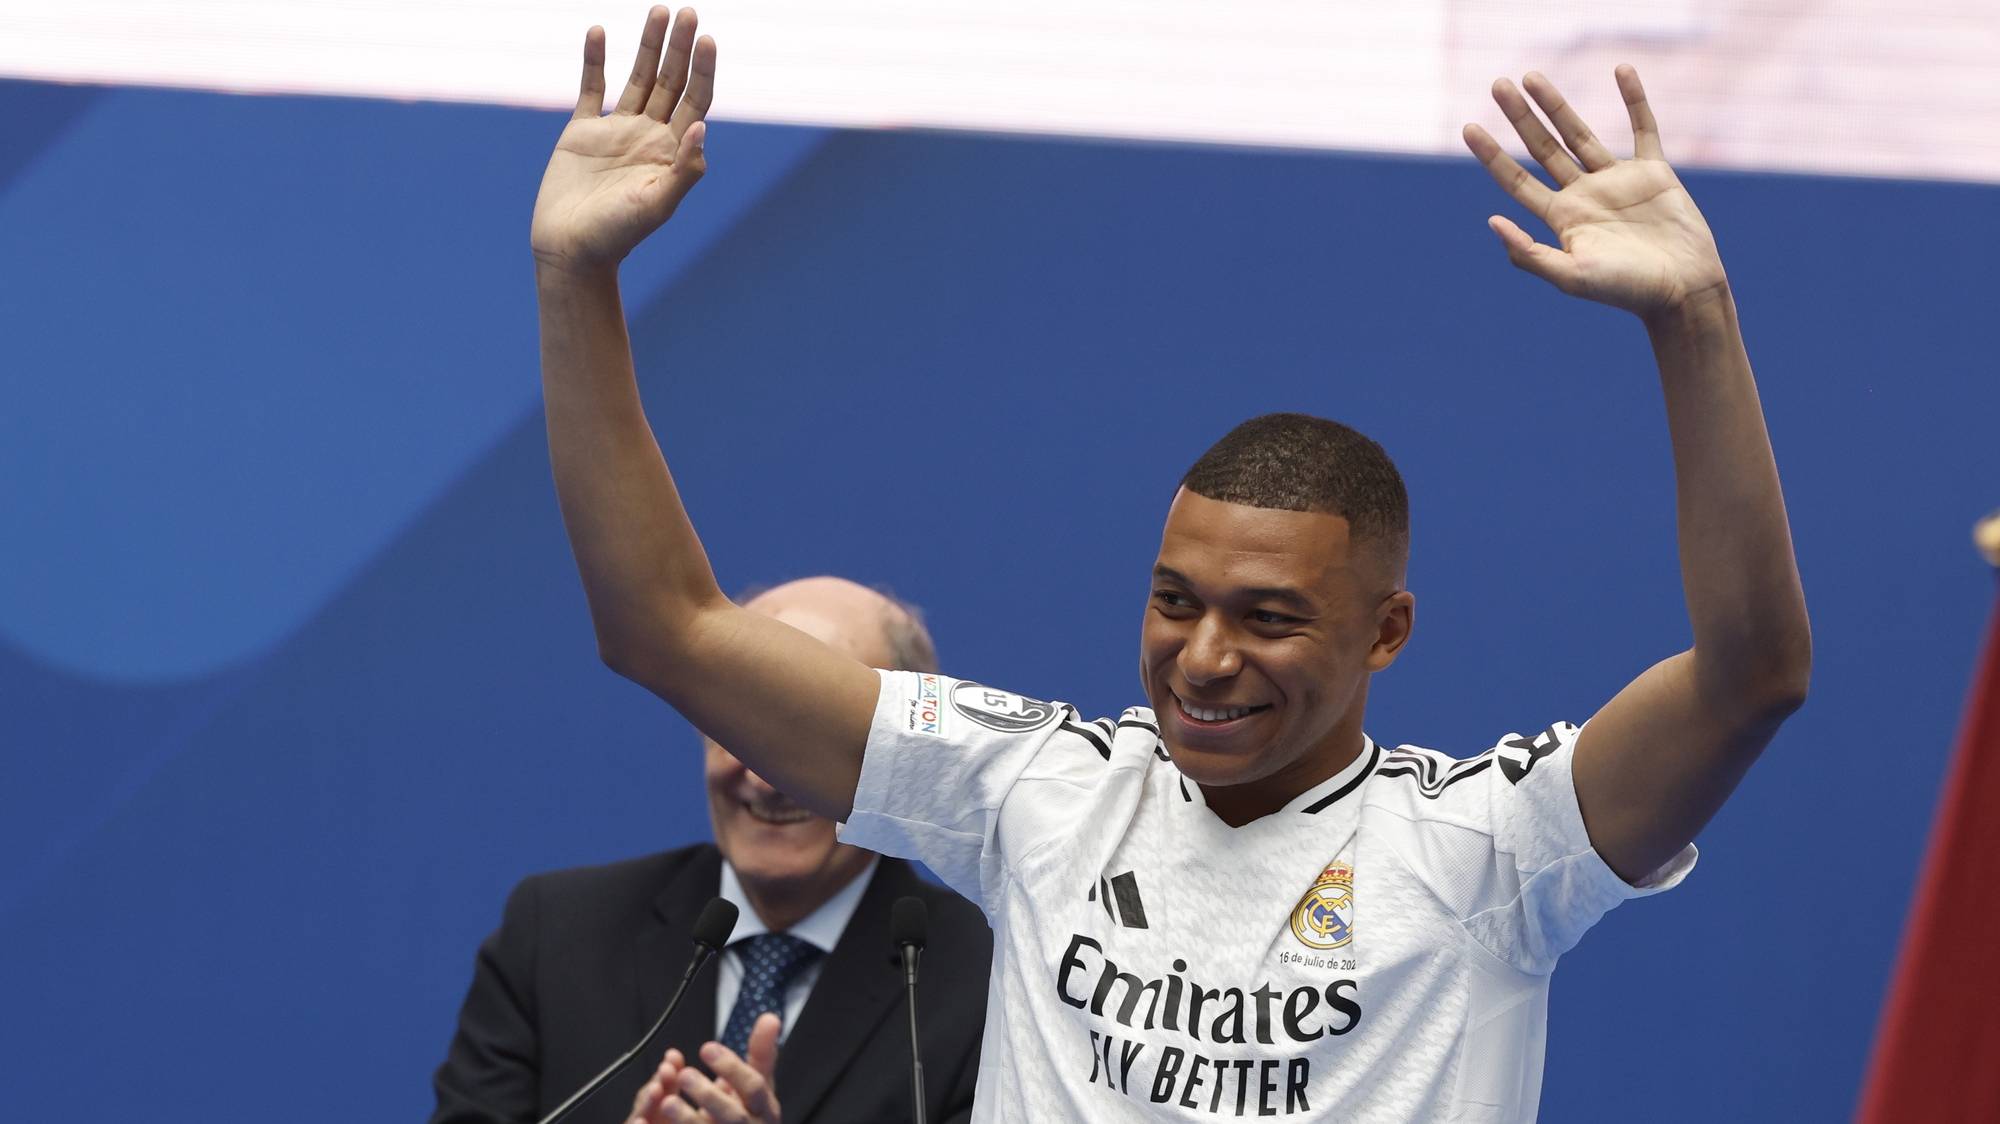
column 717, row 921
column 909, row 922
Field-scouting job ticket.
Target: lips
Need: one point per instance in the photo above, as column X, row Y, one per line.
column 1209, row 716
column 778, row 815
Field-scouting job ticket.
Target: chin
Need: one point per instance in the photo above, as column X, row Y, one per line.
column 762, row 865
column 1242, row 761
column 1208, row 767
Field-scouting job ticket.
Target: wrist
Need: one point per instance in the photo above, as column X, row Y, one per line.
column 560, row 269
column 1707, row 309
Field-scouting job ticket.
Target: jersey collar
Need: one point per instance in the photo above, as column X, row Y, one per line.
column 821, row 928
column 1319, row 797
column 1333, row 789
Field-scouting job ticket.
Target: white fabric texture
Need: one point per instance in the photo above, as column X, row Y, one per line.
column 1378, row 950
column 821, row 928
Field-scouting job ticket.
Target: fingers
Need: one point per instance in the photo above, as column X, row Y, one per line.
column 674, row 68
column 1645, row 133
column 646, row 1104
column 1528, row 191
column 1590, row 151
column 646, row 63
column 590, row 98
column 717, row 1101
column 764, row 1045
column 678, row 1111
column 690, row 162
column 700, row 87
column 1545, row 262
column 751, row 1082
column 1541, row 145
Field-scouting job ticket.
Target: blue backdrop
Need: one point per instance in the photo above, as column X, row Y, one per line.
column 296, row 678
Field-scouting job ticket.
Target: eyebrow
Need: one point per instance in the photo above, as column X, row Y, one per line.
column 1291, row 598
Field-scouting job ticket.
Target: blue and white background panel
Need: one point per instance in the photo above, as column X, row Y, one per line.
column 295, row 675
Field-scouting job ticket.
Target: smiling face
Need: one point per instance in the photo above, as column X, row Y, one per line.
column 1260, row 634
column 787, row 858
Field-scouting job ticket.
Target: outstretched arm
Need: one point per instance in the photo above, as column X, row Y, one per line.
column 1654, row 765
column 791, row 708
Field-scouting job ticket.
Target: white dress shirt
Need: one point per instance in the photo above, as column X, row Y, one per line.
column 821, row 928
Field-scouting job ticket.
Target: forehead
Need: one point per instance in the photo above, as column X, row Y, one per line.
column 1228, row 544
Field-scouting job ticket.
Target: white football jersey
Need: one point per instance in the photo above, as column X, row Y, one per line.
column 1377, row 951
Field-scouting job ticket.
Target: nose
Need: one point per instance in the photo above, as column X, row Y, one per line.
column 1210, row 653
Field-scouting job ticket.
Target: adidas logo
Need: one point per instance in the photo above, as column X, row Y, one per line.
column 1120, row 897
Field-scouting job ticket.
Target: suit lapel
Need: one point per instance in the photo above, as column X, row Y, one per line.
column 856, row 989
column 663, row 950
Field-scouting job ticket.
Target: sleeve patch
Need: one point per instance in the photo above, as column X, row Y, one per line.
column 1003, row 711
column 924, row 712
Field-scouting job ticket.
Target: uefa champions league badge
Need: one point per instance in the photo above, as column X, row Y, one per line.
column 1004, row 711
column 1324, row 917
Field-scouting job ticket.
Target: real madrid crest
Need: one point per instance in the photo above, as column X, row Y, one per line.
column 1324, row 917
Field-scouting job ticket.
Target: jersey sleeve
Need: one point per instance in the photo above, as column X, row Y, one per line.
column 1503, row 845
column 944, row 757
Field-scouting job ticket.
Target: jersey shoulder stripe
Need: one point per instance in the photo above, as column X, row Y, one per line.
column 1432, row 772
column 1141, row 720
column 1104, row 734
column 1091, row 732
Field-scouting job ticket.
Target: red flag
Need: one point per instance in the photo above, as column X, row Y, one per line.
column 1937, row 1050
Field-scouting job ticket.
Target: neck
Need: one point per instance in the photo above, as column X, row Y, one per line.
column 781, row 904
column 1239, row 804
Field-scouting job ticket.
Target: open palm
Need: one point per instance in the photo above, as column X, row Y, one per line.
column 614, row 179
column 1629, row 233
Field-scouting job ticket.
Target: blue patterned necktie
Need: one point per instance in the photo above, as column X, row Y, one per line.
column 770, row 962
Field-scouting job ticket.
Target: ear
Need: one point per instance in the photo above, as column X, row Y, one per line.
column 1395, row 616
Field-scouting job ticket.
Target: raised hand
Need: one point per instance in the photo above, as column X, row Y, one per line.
column 1630, row 235
column 741, row 1092
column 615, row 178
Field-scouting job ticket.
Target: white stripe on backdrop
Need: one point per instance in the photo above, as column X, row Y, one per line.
column 1902, row 88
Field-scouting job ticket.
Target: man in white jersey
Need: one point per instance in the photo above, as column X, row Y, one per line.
column 1232, row 902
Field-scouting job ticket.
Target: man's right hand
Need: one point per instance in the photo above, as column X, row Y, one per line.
column 741, row 1092
column 614, row 179
column 790, row 707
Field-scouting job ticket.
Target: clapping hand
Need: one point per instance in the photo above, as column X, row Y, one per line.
column 740, row 1092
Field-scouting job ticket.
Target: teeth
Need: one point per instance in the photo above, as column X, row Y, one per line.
column 1207, row 715
column 788, row 816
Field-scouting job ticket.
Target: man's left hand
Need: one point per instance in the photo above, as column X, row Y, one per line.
column 1630, row 235
column 741, row 1092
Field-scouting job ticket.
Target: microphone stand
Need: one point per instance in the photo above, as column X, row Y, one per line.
column 711, row 932
column 909, row 923
column 910, row 954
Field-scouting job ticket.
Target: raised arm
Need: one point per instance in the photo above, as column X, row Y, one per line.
column 796, row 711
column 1654, row 765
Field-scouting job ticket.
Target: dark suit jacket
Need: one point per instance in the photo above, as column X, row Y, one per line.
column 585, row 960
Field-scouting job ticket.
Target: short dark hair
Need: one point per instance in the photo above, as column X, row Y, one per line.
column 1297, row 462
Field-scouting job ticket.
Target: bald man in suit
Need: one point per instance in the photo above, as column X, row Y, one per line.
column 584, row 960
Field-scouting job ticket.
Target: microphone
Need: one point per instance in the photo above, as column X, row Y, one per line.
column 711, row 932
column 908, row 922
